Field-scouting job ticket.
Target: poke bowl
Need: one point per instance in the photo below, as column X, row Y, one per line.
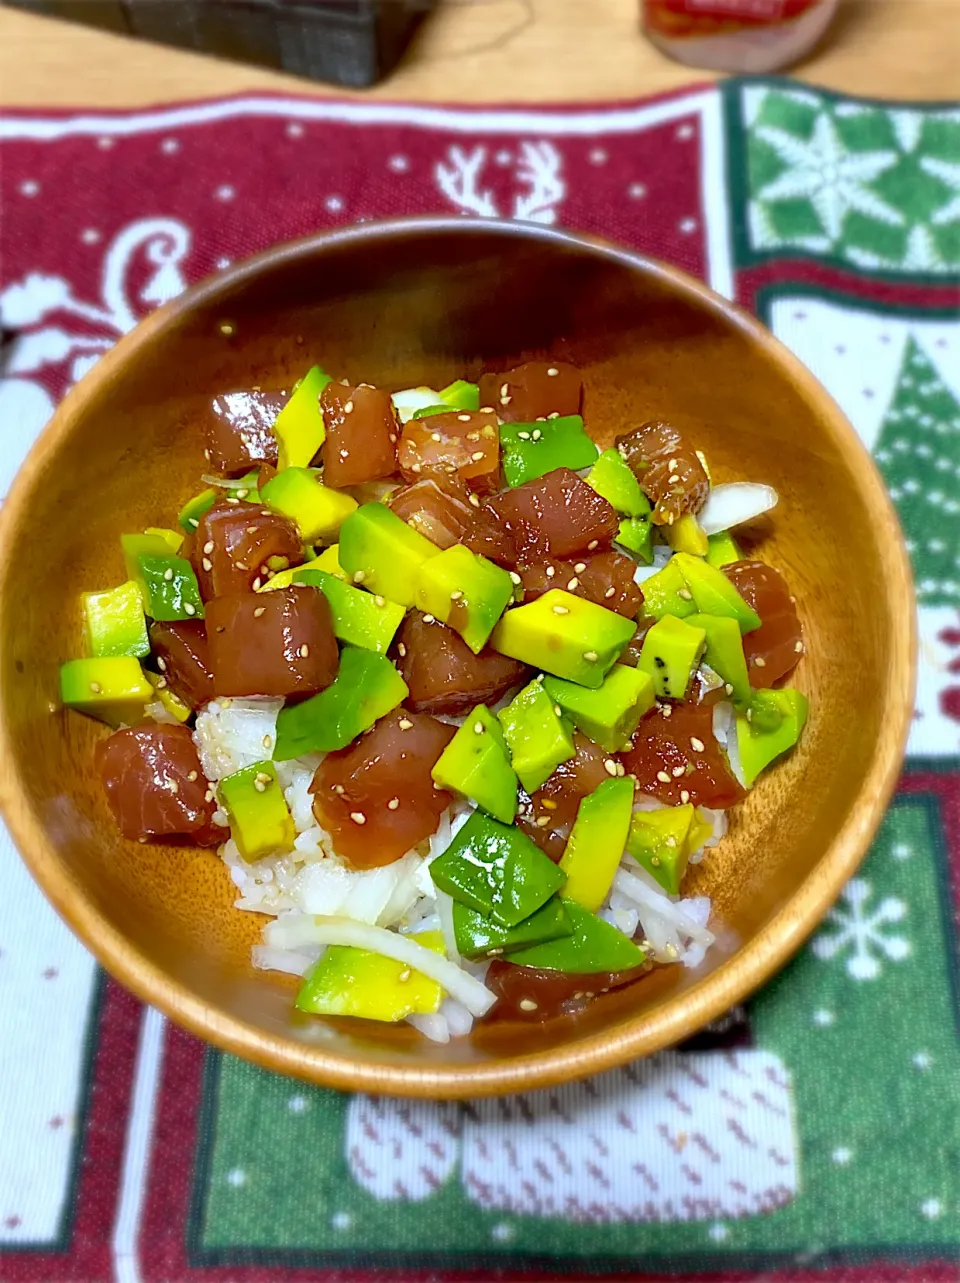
column 496, row 652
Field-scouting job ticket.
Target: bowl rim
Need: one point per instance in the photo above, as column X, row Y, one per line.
column 665, row 1024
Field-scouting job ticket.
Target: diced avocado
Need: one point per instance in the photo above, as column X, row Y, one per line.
column 366, row 687
column 464, row 590
column 636, row 535
column 429, row 410
column 476, row 764
column 136, row 546
column 712, row 591
column 191, row 512
column 530, row 450
column 564, row 635
column 479, row 937
column 671, row 651
column 113, row 689
column 594, row 946
column 113, row 622
column 359, row 618
column 318, row 510
column 687, row 535
column 165, row 695
column 596, row 842
column 660, row 841
column 357, row 982
column 536, row 736
column 758, row 747
column 329, row 560
column 461, row 395
column 284, row 578
column 613, row 478
column 497, row 870
column 609, row 714
column 722, row 550
column 260, row 820
column 172, row 538
column 666, row 593
column 169, row 587
column 700, row 829
column 724, row 653
column 380, row 551
column 299, row 426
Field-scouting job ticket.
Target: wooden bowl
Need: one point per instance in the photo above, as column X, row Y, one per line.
column 416, row 302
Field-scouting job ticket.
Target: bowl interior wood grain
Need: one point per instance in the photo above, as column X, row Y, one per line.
column 413, row 303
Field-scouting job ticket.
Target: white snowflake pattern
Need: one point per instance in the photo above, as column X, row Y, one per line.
column 860, row 929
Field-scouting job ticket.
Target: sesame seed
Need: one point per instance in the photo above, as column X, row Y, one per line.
column 685, row 593
column 463, row 418
column 161, row 663
column 621, row 769
column 404, row 975
column 684, row 796
column 161, row 683
column 673, row 479
column 206, row 455
column 696, row 744
column 242, row 494
column 405, row 724
column 193, row 775
column 435, row 436
column 209, row 795
column 256, row 583
column 251, row 530
column 393, row 804
column 505, row 400
column 359, row 576
column 527, row 1004
column 416, row 467
column 348, row 407
column 591, row 656
column 504, row 389
column 524, row 436
column 663, row 777
column 555, row 414
column 226, row 329
column 749, row 714
column 515, row 578
column 541, row 418
column 264, row 778
column 339, row 790
column 580, row 567
column 551, row 571
column 672, row 465
column 759, row 661
column 168, row 574
column 474, row 501
column 472, row 436
column 344, row 454
column 728, row 689
column 401, row 650
column 208, row 546
column 536, row 434
column 190, row 609
column 610, row 592
column 477, row 456
column 552, row 371
column 193, row 521
column 380, row 601
column 267, row 741
column 259, row 785
column 478, row 728
column 561, row 610
column 610, row 766
column 543, row 821
column 594, row 543
column 457, row 594
column 667, row 710
column 548, row 805
column 206, row 563
column 96, row 687
column 174, row 786
column 798, row 647
column 393, row 438
column 242, row 565
column 358, row 817
column 678, row 771
column 429, row 619
column 304, row 651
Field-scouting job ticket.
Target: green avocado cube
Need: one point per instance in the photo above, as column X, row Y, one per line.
column 594, row 946
column 636, row 535
column 671, row 651
column 564, row 635
column 357, row 982
column 318, row 510
column 465, row 591
column 536, row 735
column 608, row 715
column 461, row 395
column 596, row 842
column 476, row 764
column 722, row 550
column 191, row 512
column 260, row 820
column 530, row 450
column 172, row 538
column 113, row 689
column 366, row 687
column 712, row 591
column 299, row 426
column 659, row 842
column 724, row 653
column 758, row 747
column 113, row 622
column 666, row 593
column 613, row 478
column 479, row 937
column 497, row 870
column 380, row 551
column 359, row 618
column 169, row 588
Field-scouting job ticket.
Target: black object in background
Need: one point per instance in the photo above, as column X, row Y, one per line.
column 347, row 42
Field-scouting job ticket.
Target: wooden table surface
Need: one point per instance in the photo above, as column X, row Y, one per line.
column 487, row 51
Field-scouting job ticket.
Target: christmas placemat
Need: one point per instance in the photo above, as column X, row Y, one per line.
column 813, row 1135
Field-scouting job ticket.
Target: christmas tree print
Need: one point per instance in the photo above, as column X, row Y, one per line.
column 918, row 451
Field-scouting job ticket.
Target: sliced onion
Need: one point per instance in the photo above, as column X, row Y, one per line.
column 410, row 400
column 476, row 997
column 291, row 961
column 734, row 503
column 636, row 886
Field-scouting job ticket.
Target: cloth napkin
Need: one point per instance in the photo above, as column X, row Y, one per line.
column 813, row 1135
